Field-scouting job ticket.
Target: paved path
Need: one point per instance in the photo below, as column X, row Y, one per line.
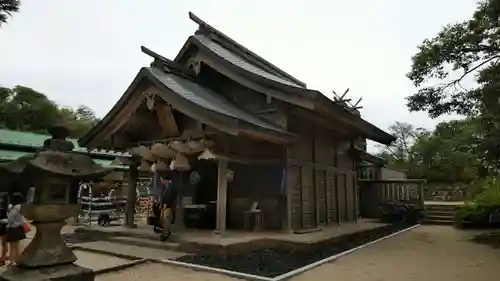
column 432, row 253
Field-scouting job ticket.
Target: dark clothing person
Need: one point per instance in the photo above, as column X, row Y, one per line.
column 168, row 203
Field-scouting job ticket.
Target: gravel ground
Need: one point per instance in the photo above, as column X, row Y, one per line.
column 271, row 262
column 432, row 253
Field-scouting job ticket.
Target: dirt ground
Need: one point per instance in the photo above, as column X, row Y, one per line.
column 431, row 253
column 155, row 272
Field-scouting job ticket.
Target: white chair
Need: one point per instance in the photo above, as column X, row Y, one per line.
column 253, row 212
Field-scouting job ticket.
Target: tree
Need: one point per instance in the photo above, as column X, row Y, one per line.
column 7, row 7
column 464, row 50
column 24, row 109
column 399, row 154
column 448, row 154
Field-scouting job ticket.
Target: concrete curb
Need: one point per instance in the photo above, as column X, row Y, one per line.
column 283, row 276
column 216, row 270
column 102, row 252
column 120, row 267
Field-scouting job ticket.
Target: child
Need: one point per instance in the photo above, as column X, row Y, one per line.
column 15, row 227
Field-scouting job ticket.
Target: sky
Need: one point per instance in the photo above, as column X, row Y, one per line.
column 88, row 51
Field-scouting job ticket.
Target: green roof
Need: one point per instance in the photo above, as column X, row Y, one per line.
column 10, row 155
column 34, row 140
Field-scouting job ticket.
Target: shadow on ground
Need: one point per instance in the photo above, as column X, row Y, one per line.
column 490, row 238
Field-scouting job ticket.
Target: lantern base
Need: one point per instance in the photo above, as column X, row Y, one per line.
column 67, row 272
column 47, row 247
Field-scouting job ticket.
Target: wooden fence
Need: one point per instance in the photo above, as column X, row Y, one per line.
column 372, row 193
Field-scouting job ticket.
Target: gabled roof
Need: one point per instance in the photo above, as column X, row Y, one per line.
column 239, row 60
column 183, row 93
column 230, row 44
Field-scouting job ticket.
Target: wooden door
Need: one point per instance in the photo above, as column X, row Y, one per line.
column 322, row 196
column 294, row 182
column 341, row 197
column 308, row 198
column 332, row 202
column 350, row 198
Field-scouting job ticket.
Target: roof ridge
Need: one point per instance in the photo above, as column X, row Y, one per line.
column 226, row 39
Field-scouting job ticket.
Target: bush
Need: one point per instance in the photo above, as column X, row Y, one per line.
column 476, row 213
column 398, row 212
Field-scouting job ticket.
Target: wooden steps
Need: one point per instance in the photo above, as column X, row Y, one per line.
column 440, row 213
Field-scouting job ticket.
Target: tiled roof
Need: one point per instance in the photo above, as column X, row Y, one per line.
column 34, row 140
column 240, row 62
column 206, row 98
column 11, row 155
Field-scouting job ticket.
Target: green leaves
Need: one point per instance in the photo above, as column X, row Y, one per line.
column 25, row 109
column 7, row 7
column 465, row 49
column 447, row 154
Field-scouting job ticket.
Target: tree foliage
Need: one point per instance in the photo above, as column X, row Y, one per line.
column 447, row 154
column 7, row 7
column 440, row 69
column 24, row 109
column 400, row 154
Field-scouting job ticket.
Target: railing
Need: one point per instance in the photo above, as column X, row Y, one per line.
column 372, row 193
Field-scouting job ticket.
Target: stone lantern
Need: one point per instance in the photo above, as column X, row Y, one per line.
column 55, row 172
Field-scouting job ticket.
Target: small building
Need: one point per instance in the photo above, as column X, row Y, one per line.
column 15, row 144
column 290, row 149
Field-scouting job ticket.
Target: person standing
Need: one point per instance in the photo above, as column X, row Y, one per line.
column 15, row 227
column 168, row 203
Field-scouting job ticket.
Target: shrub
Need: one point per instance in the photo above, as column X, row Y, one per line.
column 476, row 213
column 400, row 212
column 473, row 215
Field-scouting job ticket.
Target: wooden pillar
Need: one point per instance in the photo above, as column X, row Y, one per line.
column 220, row 227
column 421, row 194
column 179, row 215
column 286, row 200
column 131, row 195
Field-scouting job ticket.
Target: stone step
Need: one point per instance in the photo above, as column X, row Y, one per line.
column 439, row 218
column 439, row 222
column 145, row 242
column 128, row 251
column 449, row 208
column 440, row 213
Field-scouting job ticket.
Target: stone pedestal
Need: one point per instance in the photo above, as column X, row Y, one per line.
column 68, row 272
column 47, row 257
column 47, row 247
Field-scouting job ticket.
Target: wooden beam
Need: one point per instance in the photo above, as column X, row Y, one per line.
column 122, row 117
column 166, row 119
column 293, row 99
column 131, row 196
column 221, row 196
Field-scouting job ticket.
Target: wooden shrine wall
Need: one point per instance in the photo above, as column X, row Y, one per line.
column 255, row 183
column 321, row 179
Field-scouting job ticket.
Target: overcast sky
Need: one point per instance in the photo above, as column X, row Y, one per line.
column 88, row 51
